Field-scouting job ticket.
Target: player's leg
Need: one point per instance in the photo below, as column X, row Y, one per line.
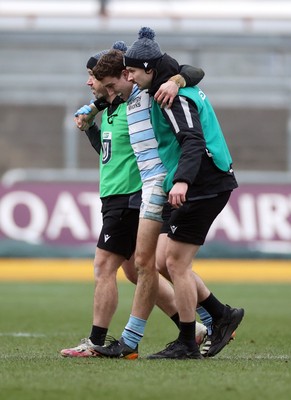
column 106, row 265
column 116, row 243
column 147, row 283
column 104, row 303
column 194, row 220
column 145, row 296
column 165, row 299
column 146, row 292
column 179, row 257
column 162, row 268
column 129, row 270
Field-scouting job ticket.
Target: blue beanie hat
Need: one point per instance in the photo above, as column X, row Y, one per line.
column 120, row 45
column 144, row 52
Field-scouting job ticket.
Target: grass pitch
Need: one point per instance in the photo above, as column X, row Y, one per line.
column 39, row 319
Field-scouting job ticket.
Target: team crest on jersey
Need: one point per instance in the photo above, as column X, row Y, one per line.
column 202, row 95
column 106, row 146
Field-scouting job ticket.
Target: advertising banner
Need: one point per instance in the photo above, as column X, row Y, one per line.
column 68, row 215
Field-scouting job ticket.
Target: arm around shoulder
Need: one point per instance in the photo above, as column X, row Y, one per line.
column 192, row 75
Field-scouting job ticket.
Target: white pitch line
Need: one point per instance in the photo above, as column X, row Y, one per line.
column 258, row 357
column 21, row 334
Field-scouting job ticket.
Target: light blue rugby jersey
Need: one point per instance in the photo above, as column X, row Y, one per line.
column 142, row 137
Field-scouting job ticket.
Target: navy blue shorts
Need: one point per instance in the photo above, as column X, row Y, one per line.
column 191, row 222
column 119, row 231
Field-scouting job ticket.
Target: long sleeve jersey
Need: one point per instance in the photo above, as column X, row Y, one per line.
column 192, row 146
column 142, row 136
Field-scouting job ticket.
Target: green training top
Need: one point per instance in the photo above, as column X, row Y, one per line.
column 169, row 148
column 215, row 142
column 119, row 173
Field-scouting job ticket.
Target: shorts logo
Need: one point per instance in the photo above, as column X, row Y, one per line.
column 173, row 228
column 106, row 237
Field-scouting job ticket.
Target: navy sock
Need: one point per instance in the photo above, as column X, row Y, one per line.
column 176, row 319
column 187, row 334
column 213, row 306
column 98, row 335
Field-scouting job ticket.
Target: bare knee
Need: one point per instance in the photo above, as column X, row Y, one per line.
column 144, row 264
column 103, row 270
column 172, row 267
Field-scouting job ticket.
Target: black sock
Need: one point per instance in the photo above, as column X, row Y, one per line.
column 213, row 306
column 187, row 334
column 98, row 335
column 176, row 319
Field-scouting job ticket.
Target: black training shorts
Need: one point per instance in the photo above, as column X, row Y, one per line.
column 191, row 222
column 119, row 231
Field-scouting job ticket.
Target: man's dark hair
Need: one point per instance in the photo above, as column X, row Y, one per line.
column 110, row 64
